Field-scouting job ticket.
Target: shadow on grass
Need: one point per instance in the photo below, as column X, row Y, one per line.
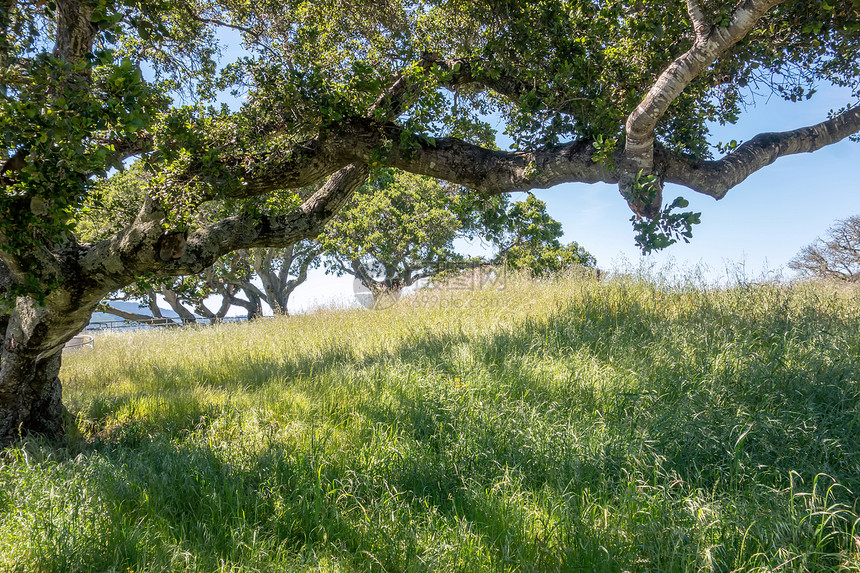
column 529, row 459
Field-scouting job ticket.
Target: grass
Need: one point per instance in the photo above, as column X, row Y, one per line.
column 571, row 425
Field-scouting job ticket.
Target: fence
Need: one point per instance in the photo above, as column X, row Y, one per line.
column 159, row 323
column 80, row 341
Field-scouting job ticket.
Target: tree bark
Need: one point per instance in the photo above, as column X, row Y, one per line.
column 30, row 388
column 185, row 315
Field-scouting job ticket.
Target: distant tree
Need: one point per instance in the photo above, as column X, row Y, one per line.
column 836, row 256
column 281, row 271
column 395, row 231
column 401, row 228
column 234, row 278
column 527, row 238
column 230, row 279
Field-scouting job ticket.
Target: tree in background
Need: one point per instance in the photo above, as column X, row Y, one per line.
column 395, row 231
column 526, row 238
column 620, row 92
column 228, row 279
column 281, row 271
column 836, row 256
column 402, row 229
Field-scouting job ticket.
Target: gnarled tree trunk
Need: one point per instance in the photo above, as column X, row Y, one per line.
column 30, row 388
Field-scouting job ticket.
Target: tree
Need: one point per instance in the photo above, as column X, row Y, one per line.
column 219, row 279
column 395, row 231
column 526, row 238
column 282, row 270
column 836, row 256
column 616, row 91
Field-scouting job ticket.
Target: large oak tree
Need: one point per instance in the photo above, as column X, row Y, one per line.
column 591, row 90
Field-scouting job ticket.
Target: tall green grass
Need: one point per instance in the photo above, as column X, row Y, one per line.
column 563, row 425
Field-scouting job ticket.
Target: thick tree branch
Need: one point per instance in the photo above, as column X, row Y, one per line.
column 639, row 145
column 132, row 316
column 395, row 100
column 701, row 24
column 641, row 123
column 494, row 172
column 172, row 298
column 464, row 73
column 295, row 165
column 715, row 178
column 15, row 163
column 205, row 246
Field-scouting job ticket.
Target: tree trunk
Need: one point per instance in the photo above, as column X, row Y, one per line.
column 185, row 315
column 30, row 389
column 30, row 396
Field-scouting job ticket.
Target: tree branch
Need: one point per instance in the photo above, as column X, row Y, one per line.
column 639, row 145
column 716, row 178
column 494, row 172
column 395, row 100
column 172, row 298
column 205, row 246
column 124, row 314
column 75, row 30
column 217, row 22
column 701, row 24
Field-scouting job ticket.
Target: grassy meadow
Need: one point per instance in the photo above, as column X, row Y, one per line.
column 570, row 425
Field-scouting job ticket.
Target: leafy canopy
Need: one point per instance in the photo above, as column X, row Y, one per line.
column 553, row 70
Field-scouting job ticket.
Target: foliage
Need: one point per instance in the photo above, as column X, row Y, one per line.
column 836, row 256
column 666, row 228
column 312, row 65
column 112, row 204
column 396, row 230
column 527, row 239
column 555, row 426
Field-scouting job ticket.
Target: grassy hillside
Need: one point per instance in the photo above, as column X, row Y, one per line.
column 554, row 426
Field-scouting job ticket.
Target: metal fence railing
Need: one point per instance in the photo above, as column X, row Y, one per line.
column 81, row 341
column 158, row 323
